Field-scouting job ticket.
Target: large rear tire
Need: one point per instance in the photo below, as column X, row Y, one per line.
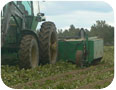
column 28, row 52
column 48, row 43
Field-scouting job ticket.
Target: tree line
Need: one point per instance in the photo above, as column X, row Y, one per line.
column 100, row 29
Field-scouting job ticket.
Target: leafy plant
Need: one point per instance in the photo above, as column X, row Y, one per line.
column 61, row 75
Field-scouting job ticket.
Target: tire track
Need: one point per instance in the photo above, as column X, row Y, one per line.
column 99, row 82
column 82, row 77
column 56, row 77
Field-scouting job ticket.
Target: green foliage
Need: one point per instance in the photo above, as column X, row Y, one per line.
column 62, row 74
column 12, row 75
column 103, row 30
column 100, row 29
column 72, row 31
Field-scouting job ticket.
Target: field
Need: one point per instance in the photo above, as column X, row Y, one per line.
column 62, row 75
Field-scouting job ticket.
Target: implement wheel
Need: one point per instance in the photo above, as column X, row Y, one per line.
column 48, row 43
column 28, row 52
column 79, row 58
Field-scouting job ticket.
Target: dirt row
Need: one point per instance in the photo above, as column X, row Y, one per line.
column 56, row 77
column 81, row 78
column 97, row 83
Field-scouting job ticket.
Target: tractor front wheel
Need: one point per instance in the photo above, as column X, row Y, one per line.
column 28, row 52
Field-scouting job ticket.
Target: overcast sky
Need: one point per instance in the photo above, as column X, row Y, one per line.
column 79, row 13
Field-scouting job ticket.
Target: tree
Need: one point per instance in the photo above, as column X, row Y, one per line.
column 100, row 29
column 60, row 32
column 103, row 30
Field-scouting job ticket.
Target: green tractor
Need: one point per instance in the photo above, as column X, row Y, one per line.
column 20, row 42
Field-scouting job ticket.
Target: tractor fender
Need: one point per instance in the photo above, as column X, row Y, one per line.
column 29, row 32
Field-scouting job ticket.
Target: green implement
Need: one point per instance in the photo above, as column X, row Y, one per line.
column 83, row 51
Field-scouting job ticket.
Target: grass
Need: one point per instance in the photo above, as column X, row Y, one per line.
column 62, row 74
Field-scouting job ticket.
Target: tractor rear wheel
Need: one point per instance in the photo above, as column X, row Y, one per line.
column 48, row 43
column 28, row 52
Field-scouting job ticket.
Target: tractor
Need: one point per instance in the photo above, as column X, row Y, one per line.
column 23, row 44
column 20, row 41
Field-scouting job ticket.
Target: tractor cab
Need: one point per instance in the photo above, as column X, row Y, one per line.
column 19, row 15
column 31, row 11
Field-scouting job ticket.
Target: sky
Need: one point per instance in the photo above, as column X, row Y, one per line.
column 82, row 14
